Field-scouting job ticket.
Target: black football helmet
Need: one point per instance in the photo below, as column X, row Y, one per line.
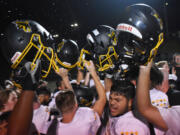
column 27, row 40
column 67, row 54
column 140, row 34
column 84, row 95
column 101, row 42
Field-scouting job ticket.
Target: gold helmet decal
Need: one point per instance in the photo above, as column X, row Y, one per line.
column 113, row 37
column 24, row 26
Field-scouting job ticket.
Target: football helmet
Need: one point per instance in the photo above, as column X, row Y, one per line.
column 27, row 40
column 140, row 34
column 101, row 42
column 84, row 95
column 67, row 54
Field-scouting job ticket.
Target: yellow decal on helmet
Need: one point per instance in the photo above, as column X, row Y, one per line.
column 24, row 25
column 60, row 46
column 113, row 37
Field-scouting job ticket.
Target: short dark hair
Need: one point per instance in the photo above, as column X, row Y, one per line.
column 4, row 96
column 5, row 116
column 65, row 101
column 123, row 87
column 43, row 90
column 156, row 76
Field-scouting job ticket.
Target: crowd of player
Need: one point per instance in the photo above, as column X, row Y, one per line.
column 118, row 89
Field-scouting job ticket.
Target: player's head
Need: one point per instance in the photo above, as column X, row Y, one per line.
column 8, row 99
column 156, row 76
column 176, row 59
column 120, row 99
column 66, row 101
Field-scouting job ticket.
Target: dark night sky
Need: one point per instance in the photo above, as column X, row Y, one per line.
column 57, row 15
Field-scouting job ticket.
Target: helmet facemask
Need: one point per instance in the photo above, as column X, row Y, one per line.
column 35, row 50
column 102, row 49
column 85, row 57
column 31, row 36
column 105, row 61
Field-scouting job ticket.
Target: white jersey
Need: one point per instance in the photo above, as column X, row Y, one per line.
column 172, row 77
column 126, row 124
column 171, row 116
column 52, row 104
column 40, row 119
column 107, row 95
column 141, row 118
column 159, row 98
column 91, row 83
column 85, row 122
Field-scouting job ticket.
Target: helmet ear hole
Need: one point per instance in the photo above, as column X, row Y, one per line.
column 20, row 39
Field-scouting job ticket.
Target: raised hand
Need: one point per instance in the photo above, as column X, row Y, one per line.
column 27, row 77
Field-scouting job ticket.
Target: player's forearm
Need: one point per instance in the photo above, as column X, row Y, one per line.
column 87, row 78
column 21, row 117
column 99, row 87
column 79, row 76
column 100, row 103
column 108, row 84
column 143, row 98
column 67, row 83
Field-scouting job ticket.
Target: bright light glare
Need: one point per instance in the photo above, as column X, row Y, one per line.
column 74, row 25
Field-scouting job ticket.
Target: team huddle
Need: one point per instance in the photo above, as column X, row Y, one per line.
column 122, row 92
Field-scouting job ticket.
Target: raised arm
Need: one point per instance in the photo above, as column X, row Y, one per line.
column 100, row 103
column 21, row 117
column 80, row 76
column 64, row 74
column 144, row 105
column 108, row 84
column 87, row 79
